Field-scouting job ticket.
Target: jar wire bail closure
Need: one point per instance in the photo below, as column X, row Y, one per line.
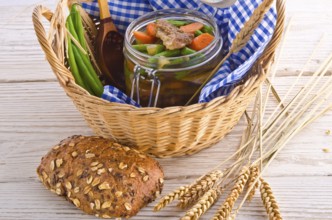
column 155, row 82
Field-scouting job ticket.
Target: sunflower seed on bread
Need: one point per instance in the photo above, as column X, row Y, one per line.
column 101, row 177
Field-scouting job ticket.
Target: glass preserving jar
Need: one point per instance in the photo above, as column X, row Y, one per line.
column 168, row 81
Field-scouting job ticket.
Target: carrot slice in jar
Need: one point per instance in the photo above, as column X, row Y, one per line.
column 143, row 38
column 191, row 28
column 201, row 41
column 151, row 29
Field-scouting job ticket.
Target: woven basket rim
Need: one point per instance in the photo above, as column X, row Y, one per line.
column 220, row 100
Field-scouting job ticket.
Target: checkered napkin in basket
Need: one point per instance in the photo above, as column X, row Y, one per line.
column 230, row 22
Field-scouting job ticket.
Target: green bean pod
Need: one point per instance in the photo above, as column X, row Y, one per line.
column 84, row 70
column 71, row 58
column 140, row 47
column 187, row 51
column 92, row 72
column 207, row 29
column 151, row 49
column 77, row 21
column 178, row 23
column 166, row 53
column 154, row 49
column 177, row 61
column 198, row 32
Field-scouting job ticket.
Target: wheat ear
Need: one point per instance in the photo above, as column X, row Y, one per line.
column 200, row 187
column 225, row 210
column 203, row 204
column 254, row 173
column 171, row 197
column 250, row 26
column 269, row 201
column 240, row 40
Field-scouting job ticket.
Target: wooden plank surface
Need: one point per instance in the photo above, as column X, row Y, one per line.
column 35, row 113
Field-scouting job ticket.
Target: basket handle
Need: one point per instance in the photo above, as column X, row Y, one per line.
column 62, row 73
column 277, row 35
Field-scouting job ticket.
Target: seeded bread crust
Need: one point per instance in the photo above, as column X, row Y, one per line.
column 101, row 177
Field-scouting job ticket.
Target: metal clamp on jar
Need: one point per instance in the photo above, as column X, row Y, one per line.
column 150, row 76
column 168, row 81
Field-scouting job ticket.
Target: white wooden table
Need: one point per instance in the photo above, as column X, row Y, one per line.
column 35, row 113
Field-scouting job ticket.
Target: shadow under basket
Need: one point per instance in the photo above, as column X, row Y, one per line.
column 161, row 132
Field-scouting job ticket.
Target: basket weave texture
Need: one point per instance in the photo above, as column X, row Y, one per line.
column 162, row 132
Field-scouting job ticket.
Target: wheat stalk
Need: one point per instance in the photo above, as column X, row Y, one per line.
column 300, row 117
column 303, row 93
column 274, row 70
column 269, row 201
column 200, row 187
column 171, row 197
column 252, row 183
column 204, row 204
column 282, row 101
column 301, row 104
column 225, row 210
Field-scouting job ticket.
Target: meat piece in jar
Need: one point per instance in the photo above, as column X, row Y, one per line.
column 172, row 37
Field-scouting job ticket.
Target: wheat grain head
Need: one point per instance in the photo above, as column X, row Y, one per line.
column 240, row 40
column 171, row 197
column 203, row 204
column 269, row 201
column 254, row 173
column 249, row 27
column 225, row 210
column 200, row 187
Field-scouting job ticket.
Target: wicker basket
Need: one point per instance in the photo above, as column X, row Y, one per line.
column 166, row 132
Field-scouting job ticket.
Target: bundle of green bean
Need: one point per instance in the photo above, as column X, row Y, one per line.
column 79, row 62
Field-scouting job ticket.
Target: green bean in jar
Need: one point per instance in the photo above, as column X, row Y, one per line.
column 168, row 55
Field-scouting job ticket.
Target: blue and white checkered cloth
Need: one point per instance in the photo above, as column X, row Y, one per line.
column 230, row 22
column 113, row 94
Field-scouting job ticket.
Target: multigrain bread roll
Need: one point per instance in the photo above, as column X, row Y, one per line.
column 101, row 177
